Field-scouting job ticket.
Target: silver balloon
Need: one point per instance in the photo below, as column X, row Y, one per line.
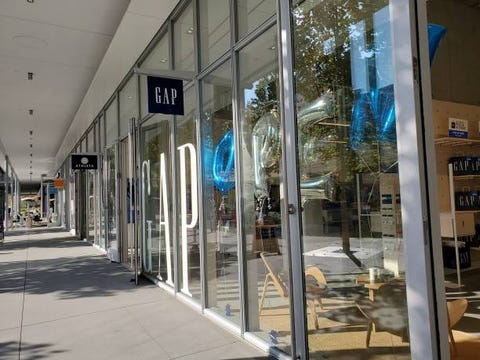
column 266, row 149
column 318, row 110
column 312, row 114
column 266, row 138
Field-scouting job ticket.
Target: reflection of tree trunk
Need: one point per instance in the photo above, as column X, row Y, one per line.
column 344, row 172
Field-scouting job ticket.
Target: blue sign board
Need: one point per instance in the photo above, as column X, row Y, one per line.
column 165, row 96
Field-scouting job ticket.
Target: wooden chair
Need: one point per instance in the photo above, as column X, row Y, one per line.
column 388, row 312
column 455, row 311
column 316, row 283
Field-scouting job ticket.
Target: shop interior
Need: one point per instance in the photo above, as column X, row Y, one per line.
column 456, row 115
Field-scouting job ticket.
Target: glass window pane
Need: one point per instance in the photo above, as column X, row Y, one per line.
column 158, row 59
column 91, row 140
column 214, row 30
column 220, row 218
column 252, row 13
column 156, row 198
column 128, row 98
column 101, row 133
column 111, row 193
column 111, row 119
column 266, row 250
column 187, row 198
column 351, row 218
column 183, row 32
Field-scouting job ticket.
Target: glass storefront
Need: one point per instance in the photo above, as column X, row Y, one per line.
column 265, row 247
column 156, row 184
column 219, row 198
column 217, row 219
column 349, row 187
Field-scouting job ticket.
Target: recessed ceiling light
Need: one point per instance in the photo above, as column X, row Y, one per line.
column 31, row 145
column 190, row 30
column 30, row 75
column 273, row 47
column 163, row 60
column 30, row 1
column 30, row 111
column 31, row 132
column 29, row 41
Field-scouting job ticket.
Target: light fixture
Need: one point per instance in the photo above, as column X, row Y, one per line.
column 30, row 1
column 190, row 30
column 31, row 145
column 31, row 132
column 30, row 111
column 163, row 60
column 31, row 155
column 273, row 47
column 30, row 76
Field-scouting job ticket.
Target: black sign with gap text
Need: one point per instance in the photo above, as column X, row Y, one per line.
column 165, row 96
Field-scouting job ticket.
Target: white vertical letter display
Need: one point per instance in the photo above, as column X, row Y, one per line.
column 166, row 221
column 185, row 225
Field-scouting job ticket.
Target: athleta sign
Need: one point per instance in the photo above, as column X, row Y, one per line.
column 84, row 162
column 165, row 96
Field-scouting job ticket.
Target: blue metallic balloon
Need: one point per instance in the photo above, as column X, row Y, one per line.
column 361, row 116
column 224, row 163
column 382, row 104
column 435, row 34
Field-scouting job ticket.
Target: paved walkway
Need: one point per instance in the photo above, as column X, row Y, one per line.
column 61, row 299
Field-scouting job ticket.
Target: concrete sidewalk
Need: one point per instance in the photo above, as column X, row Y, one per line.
column 61, row 299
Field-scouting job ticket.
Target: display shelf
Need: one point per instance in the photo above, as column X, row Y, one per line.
column 451, row 141
column 467, row 211
column 466, row 177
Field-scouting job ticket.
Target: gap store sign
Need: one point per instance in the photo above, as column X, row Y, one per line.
column 165, row 96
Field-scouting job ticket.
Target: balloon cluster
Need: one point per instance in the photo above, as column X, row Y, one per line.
column 224, row 163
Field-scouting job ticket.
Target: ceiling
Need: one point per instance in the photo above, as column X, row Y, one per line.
column 61, row 42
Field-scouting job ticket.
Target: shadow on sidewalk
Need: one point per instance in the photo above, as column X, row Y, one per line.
column 10, row 350
column 70, row 277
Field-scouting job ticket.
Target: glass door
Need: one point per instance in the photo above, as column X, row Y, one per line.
column 111, row 199
column 156, row 199
column 126, row 180
column 266, row 255
column 91, row 206
column 358, row 195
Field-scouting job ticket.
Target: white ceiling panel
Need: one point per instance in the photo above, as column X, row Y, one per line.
column 62, row 42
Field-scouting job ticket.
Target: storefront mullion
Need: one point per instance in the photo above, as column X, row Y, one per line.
column 421, row 299
column 290, row 161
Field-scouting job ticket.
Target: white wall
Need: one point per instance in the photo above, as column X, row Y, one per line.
column 455, row 75
column 141, row 21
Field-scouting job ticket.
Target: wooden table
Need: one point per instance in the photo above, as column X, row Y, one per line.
column 372, row 286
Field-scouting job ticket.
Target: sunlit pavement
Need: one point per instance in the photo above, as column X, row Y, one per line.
column 60, row 298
